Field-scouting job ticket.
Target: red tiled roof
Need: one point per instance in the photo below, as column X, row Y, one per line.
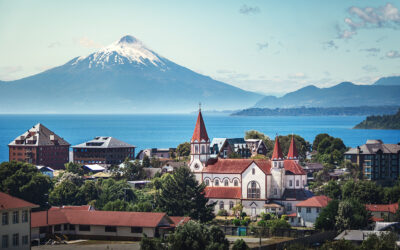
column 277, row 154
column 223, row 192
column 10, row 202
column 178, row 220
column 392, row 208
column 291, row 215
column 104, row 218
column 292, row 154
column 236, row 166
column 294, row 167
column 316, row 201
column 200, row 132
column 375, row 219
column 83, row 207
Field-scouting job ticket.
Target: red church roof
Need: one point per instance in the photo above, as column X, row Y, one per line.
column 316, row 201
column 200, row 132
column 277, row 155
column 223, row 192
column 292, row 154
column 293, row 167
column 10, row 202
column 236, row 166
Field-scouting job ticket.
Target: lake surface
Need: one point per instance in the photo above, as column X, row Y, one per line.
column 163, row 131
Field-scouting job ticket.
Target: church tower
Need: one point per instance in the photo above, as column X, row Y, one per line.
column 199, row 146
column 293, row 153
column 277, row 185
column 277, row 156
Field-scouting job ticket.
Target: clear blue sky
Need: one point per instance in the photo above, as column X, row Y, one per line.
column 264, row 46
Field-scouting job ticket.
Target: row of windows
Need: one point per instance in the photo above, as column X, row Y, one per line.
column 226, row 183
column 96, row 150
column 15, row 217
column 291, row 183
column 308, row 209
column 15, row 240
column 222, row 204
column 86, row 228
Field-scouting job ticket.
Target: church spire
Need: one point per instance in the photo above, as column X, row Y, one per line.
column 277, row 154
column 200, row 132
column 292, row 154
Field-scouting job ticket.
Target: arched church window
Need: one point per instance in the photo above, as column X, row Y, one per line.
column 207, row 182
column 216, row 182
column 235, row 183
column 226, row 183
column 253, row 190
column 221, row 205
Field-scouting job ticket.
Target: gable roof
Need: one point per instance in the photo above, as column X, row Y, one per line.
column 293, row 167
column 236, row 166
column 316, row 201
column 296, row 194
column 373, row 146
column 277, row 154
column 391, row 208
column 292, row 153
column 200, row 132
column 10, row 202
column 39, row 135
column 104, row 142
column 223, row 192
column 179, row 220
column 101, row 218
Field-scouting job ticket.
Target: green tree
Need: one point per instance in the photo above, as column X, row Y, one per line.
column 366, row 192
column 118, row 205
column 385, row 241
column 181, row 195
column 326, row 219
column 24, row 181
column 133, row 171
column 302, row 145
column 318, row 139
column 151, row 244
column 338, row 245
column 234, row 155
column 254, row 134
column 183, row 149
column 276, row 224
column 74, row 168
column 146, row 162
column 111, row 190
column 332, row 190
column 88, row 192
column 143, row 206
column 240, row 244
column 65, row 193
column 351, row 215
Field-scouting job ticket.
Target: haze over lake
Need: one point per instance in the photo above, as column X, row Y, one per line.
column 162, row 131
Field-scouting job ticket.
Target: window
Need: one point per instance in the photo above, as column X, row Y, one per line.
column 290, row 183
column 84, row 227
column 4, row 218
column 297, row 183
column 299, row 209
column 15, row 239
column 318, row 209
column 308, row 210
column 207, row 182
column 253, row 171
column 203, row 149
column 25, row 240
column 289, row 207
column 72, row 227
column 226, row 183
column 292, row 219
column 231, row 204
column 196, row 149
column 275, row 191
column 57, row 228
column 15, row 217
column 4, row 241
column 253, row 190
column 299, row 220
column 221, row 205
column 24, row 216
column 235, row 183
column 110, row 229
column 216, row 182
column 137, row 230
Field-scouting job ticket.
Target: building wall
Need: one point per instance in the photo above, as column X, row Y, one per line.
column 292, row 179
column 253, row 207
column 226, row 204
column 20, row 228
column 277, row 182
column 259, row 176
column 103, row 155
column 307, row 219
column 221, row 178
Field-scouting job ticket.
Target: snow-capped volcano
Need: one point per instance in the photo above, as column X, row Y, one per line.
column 127, row 50
column 124, row 77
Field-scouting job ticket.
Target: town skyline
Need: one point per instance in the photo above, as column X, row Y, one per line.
column 264, row 47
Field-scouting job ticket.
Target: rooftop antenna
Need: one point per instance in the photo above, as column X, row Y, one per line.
column 199, row 106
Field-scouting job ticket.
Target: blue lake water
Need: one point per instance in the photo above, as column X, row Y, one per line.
column 146, row 131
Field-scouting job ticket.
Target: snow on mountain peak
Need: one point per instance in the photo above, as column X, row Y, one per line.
column 126, row 50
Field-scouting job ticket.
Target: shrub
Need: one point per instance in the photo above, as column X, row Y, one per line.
column 240, row 244
column 262, row 223
column 243, row 214
column 236, row 222
column 222, row 212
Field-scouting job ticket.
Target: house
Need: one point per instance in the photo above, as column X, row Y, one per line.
column 151, row 172
column 307, row 211
column 257, row 147
column 382, row 212
column 156, row 153
column 170, row 166
column 15, row 230
column 101, row 225
column 40, row 146
column 224, row 147
column 252, row 182
column 46, row 171
column 377, row 161
column 358, row 236
column 311, row 168
column 103, row 150
column 94, row 168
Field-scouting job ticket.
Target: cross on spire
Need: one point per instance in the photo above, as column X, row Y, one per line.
column 199, row 106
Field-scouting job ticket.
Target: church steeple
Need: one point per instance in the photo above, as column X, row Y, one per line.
column 200, row 132
column 277, row 154
column 292, row 153
column 199, row 144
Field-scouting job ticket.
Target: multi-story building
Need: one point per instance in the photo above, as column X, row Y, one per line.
column 40, row 146
column 15, row 228
column 378, row 161
column 256, row 184
column 103, row 150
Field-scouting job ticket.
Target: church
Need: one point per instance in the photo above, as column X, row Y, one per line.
column 273, row 185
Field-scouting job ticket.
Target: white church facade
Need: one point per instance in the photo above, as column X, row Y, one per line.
column 274, row 185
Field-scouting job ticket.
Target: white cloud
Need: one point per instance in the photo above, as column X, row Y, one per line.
column 298, row 75
column 88, row 43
